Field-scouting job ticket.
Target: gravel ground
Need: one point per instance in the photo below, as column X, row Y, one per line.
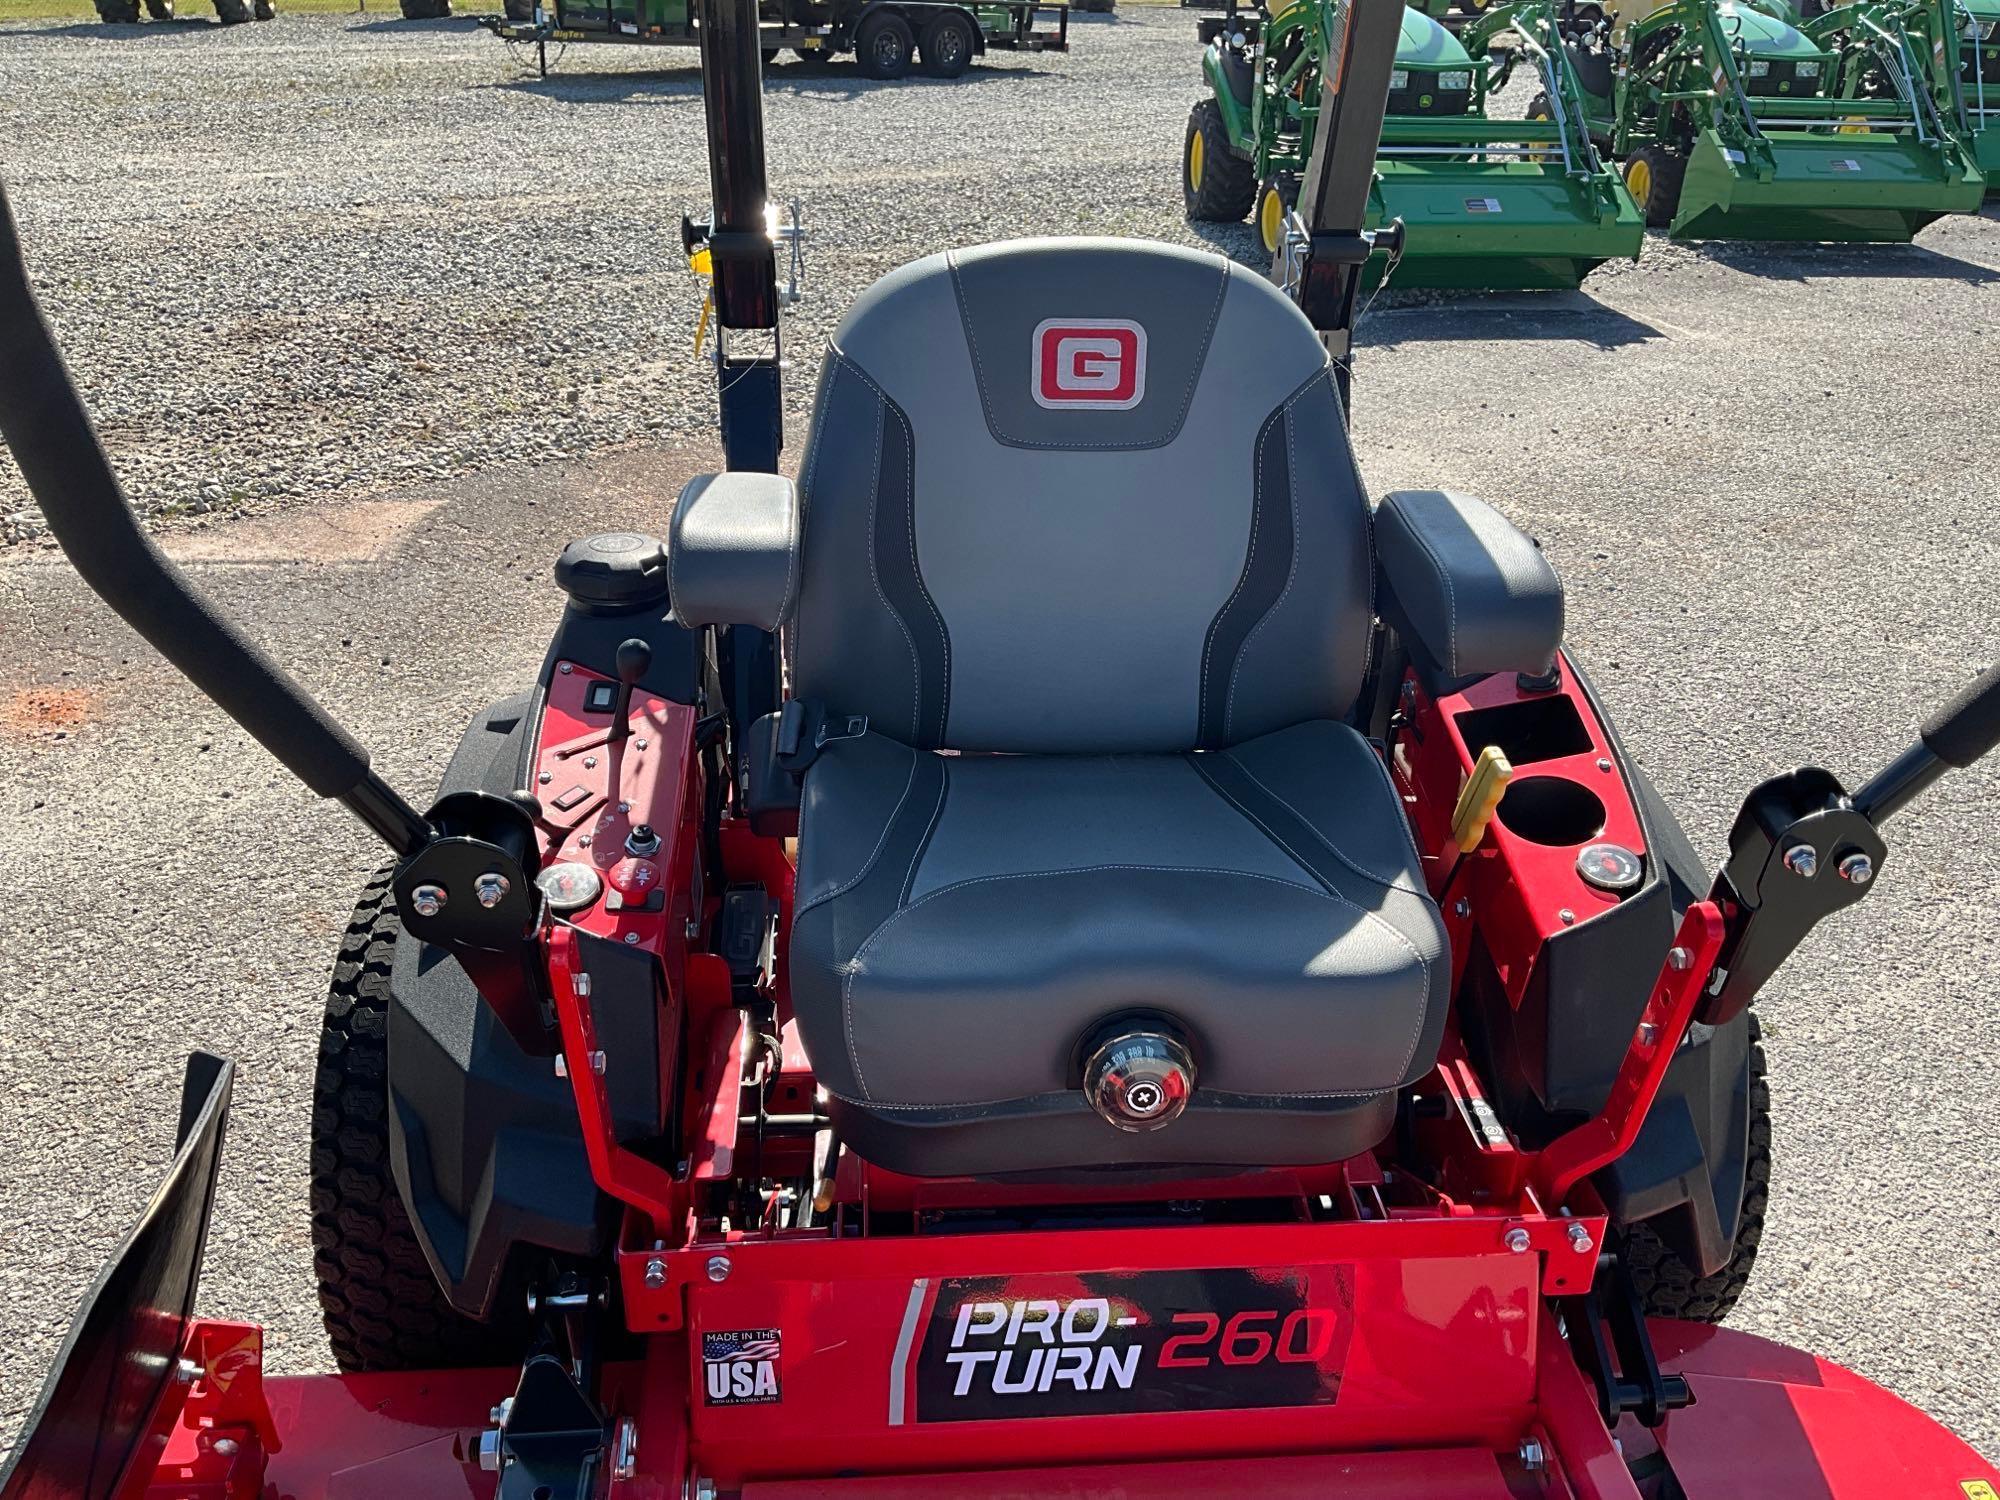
column 1762, row 472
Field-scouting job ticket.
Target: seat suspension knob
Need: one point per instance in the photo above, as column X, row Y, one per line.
column 1139, row 1079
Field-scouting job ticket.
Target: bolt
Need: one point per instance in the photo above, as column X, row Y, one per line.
column 1566, row 917
column 428, row 900
column 704, row 1489
column 1579, row 1239
column 1679, row 959
column 1516, row 1239
column 638, row 744
column 1603, row 764
column 584, row 842
column 624, row 807
column 1648, row 1033
column 1532, row 1457
column 565, row 669
column 590, row 763
column 597, row 1063
column 625, row 1453
column 1461, row 908
column 489, row 1450
column 718, row 1268
column 546, row 777
column 1858, row 869
column 631, row 937
column 1802, row 860
column 656, row 1272
column 693, row 929
column 223, row 1447
column 490, row 888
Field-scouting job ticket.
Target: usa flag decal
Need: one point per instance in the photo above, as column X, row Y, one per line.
column 740, row 1367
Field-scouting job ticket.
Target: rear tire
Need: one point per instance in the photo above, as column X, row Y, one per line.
column 160, row 10
column 233, row 12
column 265, row 10
column 1668, row 1286
column 426, row 10
column 883, row 46
column 520, row 12
column 380, row 1303
column 1217, row 185
column 118, row 12
column 1653, row 175
column 948, row 45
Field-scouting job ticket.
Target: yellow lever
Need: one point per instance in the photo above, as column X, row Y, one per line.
column 1480, row 798
column 703, row 266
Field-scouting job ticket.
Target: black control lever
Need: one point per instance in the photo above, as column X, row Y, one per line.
column 44, row 423
column 635, row 659
column 1802, row 848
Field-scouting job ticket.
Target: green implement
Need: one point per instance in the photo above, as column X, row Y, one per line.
column 1958, row 43
column 1736, row 123
column 1486, row 203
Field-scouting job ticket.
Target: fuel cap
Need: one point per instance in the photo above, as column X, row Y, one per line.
column 614, row 571
column 1610, row 867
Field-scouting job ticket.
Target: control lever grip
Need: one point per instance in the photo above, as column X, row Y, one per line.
column 1968, row 726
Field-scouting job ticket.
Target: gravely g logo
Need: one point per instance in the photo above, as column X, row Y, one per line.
column 740, row 1367
column 1089, row 364
column 998, row 1347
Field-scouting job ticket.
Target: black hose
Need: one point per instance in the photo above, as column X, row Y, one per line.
column 44, row 423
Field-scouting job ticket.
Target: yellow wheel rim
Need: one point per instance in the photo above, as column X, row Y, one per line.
column 1271, row 219
column 1195, row 150
column 1639, row 178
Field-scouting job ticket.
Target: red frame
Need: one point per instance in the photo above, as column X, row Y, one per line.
column 1451, row 1358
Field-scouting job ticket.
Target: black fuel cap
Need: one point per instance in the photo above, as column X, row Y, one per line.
column 614, row 571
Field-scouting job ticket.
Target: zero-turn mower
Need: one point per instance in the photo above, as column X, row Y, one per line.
column 1736, row 123
column 1108, row 1016
column 1485, row 202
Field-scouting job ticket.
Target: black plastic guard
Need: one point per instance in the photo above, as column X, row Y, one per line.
column 124, row 1347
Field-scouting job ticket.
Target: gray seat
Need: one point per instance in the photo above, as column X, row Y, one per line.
column 1078, row 534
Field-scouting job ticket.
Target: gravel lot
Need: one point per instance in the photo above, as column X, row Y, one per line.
column 377, row 266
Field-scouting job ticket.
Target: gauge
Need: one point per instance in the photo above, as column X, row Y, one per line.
column 569, row 886
column 1610, row 867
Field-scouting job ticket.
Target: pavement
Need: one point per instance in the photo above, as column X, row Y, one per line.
column 1764, row 473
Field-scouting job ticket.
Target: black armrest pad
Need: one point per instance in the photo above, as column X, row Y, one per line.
column 733, row 550
column 1469, row 593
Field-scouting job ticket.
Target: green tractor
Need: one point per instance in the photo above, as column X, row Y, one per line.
column 1486, row 203
column 1959, row 42
column 228, row 12
column 1740, row 122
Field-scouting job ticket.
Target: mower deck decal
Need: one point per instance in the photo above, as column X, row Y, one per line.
column 900, row 1366
column 997, row 1348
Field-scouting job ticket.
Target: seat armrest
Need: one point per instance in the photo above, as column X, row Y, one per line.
column 1467, row 591
column 733, row 550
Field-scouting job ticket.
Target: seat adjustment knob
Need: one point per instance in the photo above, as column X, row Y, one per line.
column 1139, row 1079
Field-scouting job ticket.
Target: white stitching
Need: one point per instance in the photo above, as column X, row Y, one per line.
column 874, row 495
column 1187, row 399
column 910, row 494
column 1292, row 497
column 793, row 540
column 1313, row 828
column 854, row 963
column 1450, row 599
column 874, row 854
column 1243, row 579
column 1423, row 1007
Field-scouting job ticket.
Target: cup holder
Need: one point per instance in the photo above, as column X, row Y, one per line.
column 1550, row 810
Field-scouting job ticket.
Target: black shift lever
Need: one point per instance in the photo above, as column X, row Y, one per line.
column 634, row 658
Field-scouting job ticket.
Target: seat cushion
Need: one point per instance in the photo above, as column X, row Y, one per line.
column 965, row 923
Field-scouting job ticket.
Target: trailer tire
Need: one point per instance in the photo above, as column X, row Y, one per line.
column 1653, row 175
column 883, row 46
column 160, row 10
column 426, row 10
column 521, row 12
column 233, row 12
column 1668, row 1286
column 264, row 10
column 377, row 1296
column 118, row 12
column 1217, row 185
column 947, row 45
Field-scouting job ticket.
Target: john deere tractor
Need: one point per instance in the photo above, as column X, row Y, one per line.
column 1739, row 122
column 1486, row 203
column 1958, row 46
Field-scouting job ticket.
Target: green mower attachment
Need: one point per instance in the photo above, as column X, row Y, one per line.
column 1735, row 123
column 1489, row 204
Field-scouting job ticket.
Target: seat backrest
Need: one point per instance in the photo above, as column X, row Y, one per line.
column 1080, row 495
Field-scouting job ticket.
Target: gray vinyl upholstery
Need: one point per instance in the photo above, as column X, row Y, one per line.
column 733, row 550
column 986, row 574
column 1160, row 607
column 1468, row 592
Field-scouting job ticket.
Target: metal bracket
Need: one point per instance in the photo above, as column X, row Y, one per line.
column 1606, row 1330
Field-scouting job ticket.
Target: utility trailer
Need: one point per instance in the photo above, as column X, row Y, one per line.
column 887, row 37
